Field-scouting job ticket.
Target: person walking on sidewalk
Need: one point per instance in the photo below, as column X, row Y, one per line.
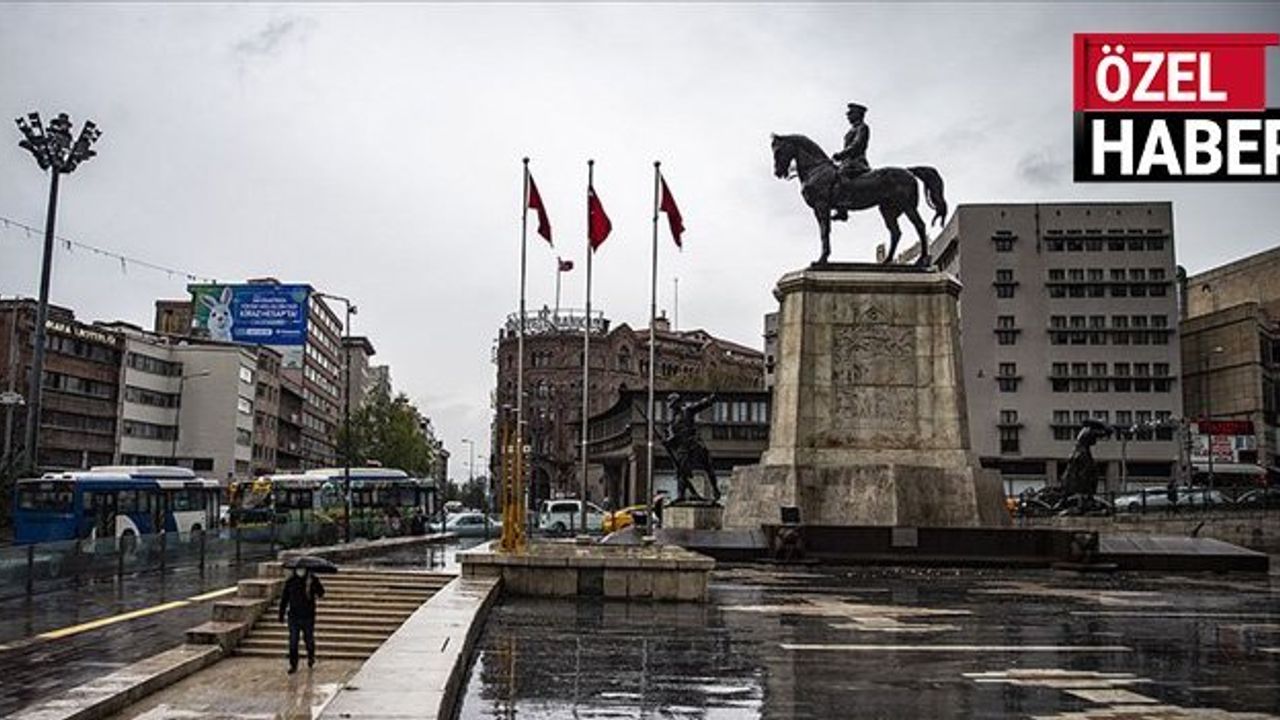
column 301, row 591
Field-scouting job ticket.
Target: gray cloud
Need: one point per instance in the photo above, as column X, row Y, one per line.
column 271, row 38
column 1044, row 168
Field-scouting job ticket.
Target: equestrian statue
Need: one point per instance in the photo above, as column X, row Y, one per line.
column 832, row 186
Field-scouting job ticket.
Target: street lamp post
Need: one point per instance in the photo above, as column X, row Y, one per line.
column 1208, row 403
column 346, row 408
column 54, row 151
column 182, row 379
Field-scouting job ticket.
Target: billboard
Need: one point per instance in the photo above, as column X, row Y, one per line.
column 257, row 314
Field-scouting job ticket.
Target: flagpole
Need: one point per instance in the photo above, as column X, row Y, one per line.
column 653, row 316
column 559, row 272
column 586, row 352
column 524, row 232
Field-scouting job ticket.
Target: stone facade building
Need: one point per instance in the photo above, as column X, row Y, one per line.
column 1068, row 311
column 685, row 359
column 1231, row 369
column 81, row 387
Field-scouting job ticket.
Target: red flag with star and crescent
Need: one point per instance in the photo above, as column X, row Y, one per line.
column 668, row 206
column 534, row 202
column 598, row 224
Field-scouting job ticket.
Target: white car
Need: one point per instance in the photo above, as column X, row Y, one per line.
column 561, row 516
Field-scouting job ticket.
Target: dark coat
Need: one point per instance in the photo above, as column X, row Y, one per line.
column 299, row 597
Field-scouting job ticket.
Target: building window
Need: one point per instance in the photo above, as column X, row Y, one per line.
column 1005, row 284
column 1009, row 440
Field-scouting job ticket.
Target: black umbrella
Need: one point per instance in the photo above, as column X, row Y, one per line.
column 312, row 563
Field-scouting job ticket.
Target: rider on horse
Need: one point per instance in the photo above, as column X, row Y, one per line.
column 853, row 158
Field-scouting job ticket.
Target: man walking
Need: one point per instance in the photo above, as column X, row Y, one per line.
column 301, row 591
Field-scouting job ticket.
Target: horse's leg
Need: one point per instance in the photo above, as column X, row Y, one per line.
column 823, row 213
column 914, row 216
column 890, row 216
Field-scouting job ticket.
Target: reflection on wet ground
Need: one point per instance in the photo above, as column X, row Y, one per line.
column 893, row 643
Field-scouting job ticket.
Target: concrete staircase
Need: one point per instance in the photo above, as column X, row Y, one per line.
column 360, row 609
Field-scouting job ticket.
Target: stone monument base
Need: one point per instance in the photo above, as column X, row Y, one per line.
column 887, row 494
column 869, row 423
column 693, row 516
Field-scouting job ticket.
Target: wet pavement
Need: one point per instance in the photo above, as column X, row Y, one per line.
column 35, row 668
column 893, row 643
column 246, row 687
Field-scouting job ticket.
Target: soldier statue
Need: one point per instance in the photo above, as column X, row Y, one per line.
column 834, row 185
column 853, row 158
column 686, row 448
column 1081, row 477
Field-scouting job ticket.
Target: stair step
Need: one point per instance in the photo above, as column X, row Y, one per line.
column 320, row 654
column 345, row 631
column 348, row 645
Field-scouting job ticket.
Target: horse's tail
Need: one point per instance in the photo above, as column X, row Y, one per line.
column 932, row 191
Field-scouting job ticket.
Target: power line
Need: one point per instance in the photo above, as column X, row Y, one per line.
column 34, row 233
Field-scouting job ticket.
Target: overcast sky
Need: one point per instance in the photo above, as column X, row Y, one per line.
column 374, row 151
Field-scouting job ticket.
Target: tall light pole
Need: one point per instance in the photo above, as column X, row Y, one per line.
column 471, row 460
column 54, row 151
column 346, row 406
column 177, row 417
column 1208, row 402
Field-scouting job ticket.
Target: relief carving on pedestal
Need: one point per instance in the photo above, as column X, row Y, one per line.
column 873, row 380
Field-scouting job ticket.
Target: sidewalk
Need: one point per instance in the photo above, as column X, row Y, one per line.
column 247, row 687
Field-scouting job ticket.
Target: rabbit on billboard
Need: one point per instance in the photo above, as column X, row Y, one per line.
column 219, row 323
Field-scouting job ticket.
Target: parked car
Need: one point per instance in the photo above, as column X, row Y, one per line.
column 1157, row 499
column 470, row 524
column 637, row 515
column 559, row 516
column 1268, row 497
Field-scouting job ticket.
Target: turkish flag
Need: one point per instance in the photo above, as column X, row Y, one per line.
column 668, row 206
column 565, row 265
column 598, row 225
column 534, row 202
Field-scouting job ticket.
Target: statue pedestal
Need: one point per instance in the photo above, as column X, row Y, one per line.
column 869, row 422
column 693, row 516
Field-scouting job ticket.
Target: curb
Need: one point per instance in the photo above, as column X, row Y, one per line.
column 116, row 691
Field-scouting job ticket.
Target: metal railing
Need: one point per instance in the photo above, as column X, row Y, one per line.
column 41, row 567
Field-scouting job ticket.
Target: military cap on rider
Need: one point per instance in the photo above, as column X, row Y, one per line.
column 856, row 108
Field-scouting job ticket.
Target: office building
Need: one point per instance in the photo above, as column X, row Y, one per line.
column 1068, row 312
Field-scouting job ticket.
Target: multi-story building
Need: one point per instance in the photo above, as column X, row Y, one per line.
column 688, row 359
column 360, row 383
column 81, row 386
column 189, row 402
column 314, row 368
column 266, row 411
column 1231, row 369
column 380, row 379
column 289, row 427
column 1068, row 313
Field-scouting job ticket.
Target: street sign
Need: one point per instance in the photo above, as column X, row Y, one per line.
column 10, row 398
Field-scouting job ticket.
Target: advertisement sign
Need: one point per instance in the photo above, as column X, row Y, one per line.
column 257, row 314
column 1172, row 107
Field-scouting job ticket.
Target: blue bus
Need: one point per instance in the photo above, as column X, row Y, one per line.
column 113, row 502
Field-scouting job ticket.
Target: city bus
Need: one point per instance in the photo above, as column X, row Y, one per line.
column 318, row 496
column 113, row 502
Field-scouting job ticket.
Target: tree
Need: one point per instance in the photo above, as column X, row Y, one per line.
column 391, row 432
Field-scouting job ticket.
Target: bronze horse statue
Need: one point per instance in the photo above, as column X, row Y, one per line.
column 892, row 189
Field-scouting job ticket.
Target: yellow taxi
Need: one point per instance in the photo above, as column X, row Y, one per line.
column 623, row 517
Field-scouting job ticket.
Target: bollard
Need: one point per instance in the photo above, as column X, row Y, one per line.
column 163, row 544
column 236, row 532
column 31, row 568
column 272, row 537
column 119, row 559
column 202, row 534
